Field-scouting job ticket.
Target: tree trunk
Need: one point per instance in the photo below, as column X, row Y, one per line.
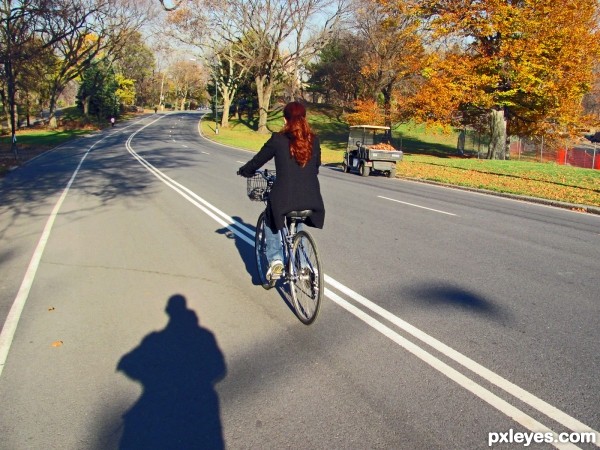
column 52, row 123
column 387, row 105
column 6, row 105
column 86, row 105
column 264, row 88
column 497, row 148
column 11, row 87
column 227, row 97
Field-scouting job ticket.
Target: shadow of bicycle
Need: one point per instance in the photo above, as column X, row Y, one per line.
column 245, row 247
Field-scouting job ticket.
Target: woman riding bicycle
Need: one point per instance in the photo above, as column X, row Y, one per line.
column 297, row 154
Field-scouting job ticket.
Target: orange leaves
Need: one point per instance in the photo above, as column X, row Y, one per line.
column 533, row 58
column 366, row 112
column 381, row 146
column 482, row 179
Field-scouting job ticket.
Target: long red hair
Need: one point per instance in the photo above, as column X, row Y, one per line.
column 299, row 132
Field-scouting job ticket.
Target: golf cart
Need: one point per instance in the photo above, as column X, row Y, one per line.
column 370, row 150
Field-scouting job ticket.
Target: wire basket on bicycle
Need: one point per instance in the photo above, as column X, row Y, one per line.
column 259, row 185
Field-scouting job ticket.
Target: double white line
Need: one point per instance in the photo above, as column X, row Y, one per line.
column 375, row 316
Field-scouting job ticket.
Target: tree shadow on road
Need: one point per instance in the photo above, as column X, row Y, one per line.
column 451, row 297
column 178, row 368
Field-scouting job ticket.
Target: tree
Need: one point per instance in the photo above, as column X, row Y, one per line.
column 187, row 80
column 527, row 63
column 591, row 101
column 278, row 38
column 27, row 27
column 101, row 28
column 393, row 48
column 98, row 91
column 136, row 61
column 31, row 82
column 229, row 75
column 189, row 23
column 336, row 75
column 125, row 92
column 366, row 112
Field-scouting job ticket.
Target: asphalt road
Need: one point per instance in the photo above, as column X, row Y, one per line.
column 132, row 318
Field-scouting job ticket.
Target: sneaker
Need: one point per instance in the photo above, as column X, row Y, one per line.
column 275, row 270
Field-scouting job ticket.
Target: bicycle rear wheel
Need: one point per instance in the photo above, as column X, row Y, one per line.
column 260, row 249
column 306, row 278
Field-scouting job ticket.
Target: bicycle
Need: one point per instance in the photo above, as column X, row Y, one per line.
column 302, row 266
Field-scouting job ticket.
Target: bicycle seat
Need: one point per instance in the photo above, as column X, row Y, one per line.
column 299, row 214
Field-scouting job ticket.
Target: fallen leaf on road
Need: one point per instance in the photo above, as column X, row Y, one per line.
column 57, row 343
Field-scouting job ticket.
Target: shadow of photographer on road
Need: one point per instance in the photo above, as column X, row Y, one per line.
column 178, row 368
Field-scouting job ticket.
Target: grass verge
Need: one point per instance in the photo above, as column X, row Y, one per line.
column 429, row 156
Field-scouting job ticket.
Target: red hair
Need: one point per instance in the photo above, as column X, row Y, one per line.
column 299, row 132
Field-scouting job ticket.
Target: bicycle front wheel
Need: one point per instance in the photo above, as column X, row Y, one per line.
column 260, row 249
column 306, row 277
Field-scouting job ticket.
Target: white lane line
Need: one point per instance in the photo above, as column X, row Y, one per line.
column 216, row 214
column 14, row 315
column 500, row 404
column 503, row 406
column 511, row 388
column 416, row 206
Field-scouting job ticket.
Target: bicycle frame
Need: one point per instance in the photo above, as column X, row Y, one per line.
column 286, row 236
column 302, row 270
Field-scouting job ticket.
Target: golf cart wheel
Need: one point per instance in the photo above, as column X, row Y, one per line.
column 364, row 170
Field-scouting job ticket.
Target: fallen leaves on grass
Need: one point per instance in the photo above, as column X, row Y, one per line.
column 498, row 182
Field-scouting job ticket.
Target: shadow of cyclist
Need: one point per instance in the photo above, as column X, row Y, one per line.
column 178, row 368
column 244, row 243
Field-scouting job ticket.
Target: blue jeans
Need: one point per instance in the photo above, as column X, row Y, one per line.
column 274, row 249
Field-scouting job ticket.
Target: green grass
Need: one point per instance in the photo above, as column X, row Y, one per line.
column 41, row 138
column 430, row 154
column 547, row 172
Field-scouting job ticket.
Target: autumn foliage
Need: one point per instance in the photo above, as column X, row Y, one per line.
column 534, row 59
column 366, row 112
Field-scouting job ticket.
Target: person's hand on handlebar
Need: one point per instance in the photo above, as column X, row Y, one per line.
column 242, row 171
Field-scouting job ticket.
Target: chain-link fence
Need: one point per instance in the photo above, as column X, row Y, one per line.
column 570, row 152
column 565, row 152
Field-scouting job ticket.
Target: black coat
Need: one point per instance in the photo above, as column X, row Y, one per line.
column 296, row 187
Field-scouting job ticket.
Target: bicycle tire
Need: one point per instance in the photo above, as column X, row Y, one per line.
column 306, row 281
column 260, row 248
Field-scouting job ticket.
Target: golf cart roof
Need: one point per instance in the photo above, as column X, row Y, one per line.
column 372, row 127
